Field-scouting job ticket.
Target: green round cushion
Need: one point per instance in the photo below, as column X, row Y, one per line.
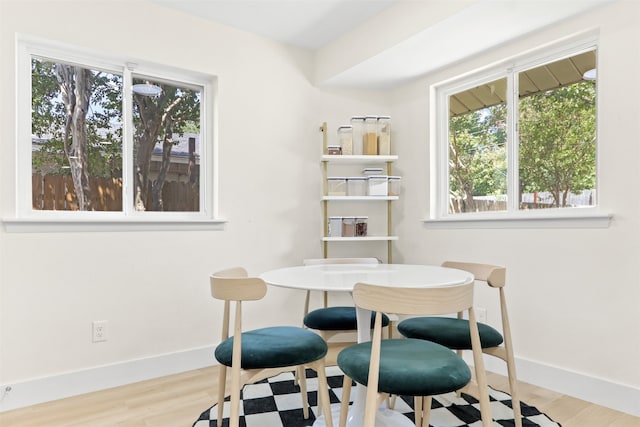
column 408, row 367
column 450, row 332
column 274, row 347
column 337, row 319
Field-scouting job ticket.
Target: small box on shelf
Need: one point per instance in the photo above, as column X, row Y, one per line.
column 378, row 185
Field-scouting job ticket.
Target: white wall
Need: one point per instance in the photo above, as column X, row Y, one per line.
column 153, row 287
column 573, row 293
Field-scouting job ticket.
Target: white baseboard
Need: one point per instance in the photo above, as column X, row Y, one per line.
column 620, row 397
column 69, row 384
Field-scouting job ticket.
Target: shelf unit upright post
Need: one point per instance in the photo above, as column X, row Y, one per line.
column 355, row 159
column 325, row 189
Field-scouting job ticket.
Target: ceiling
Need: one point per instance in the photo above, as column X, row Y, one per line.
column 309, row 24
column 435, row 40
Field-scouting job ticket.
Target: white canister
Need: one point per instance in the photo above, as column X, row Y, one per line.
column 335, row 226
column 378, row 185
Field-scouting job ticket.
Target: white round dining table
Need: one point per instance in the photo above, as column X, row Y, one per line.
column 342, row 278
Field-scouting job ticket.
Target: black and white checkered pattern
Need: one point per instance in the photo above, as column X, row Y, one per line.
column 276, row 402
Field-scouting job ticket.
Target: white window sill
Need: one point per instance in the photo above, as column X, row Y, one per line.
column 522, row 220
column 30, row 225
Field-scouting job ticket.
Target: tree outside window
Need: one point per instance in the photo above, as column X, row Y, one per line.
column 78, row 143
column 554, row 136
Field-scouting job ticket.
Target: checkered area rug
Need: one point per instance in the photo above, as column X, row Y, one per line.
column 276, row 402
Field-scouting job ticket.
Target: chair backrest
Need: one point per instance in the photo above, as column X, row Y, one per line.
column 234, row 285
column 414, row 301
column 319, row 261
column 494, row 275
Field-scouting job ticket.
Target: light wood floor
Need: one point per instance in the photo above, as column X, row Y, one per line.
column 178, row 400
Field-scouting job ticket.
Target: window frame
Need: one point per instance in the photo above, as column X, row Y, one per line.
column 28, row 219
column 513, row 217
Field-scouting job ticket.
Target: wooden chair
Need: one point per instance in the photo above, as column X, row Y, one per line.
column 412, row 367
column 260, row 353
column 330, row 321
column 454, row 332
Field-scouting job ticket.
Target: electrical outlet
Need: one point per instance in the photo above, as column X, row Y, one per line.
column 481, row 314
column 99, row 329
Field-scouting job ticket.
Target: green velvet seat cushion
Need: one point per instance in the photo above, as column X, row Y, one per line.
column 450, row 332
column 337, row 319
column 408, row 367
column 274, row 347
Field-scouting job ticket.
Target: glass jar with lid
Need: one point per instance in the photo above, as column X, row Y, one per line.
column 384, row 135
column 345, row 138
column 370, row 137
column 361, row 226
column 349, row 226
column 357, row 186
column 357, row 130
column 336, row 186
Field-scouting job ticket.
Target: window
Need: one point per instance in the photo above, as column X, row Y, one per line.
column 111, row 140
column 518, row 138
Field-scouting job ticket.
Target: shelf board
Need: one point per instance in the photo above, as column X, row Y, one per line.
column 359, row 239
column 359, row 198
column 358, row 159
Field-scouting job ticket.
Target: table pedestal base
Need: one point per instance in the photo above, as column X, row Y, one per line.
column 384, row 418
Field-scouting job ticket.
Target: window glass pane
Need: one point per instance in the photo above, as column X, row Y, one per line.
column 76, row 116
column 166, row 120
column 477, row 148
column 557, row 130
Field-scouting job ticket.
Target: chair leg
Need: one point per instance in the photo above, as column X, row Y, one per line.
column 303, row 391
column 222, row 379
column 515, row 398
column 344, row 404
column 417, row 409
column 324, row 404
column 391, row 401
column 459, row 392
column 426, row 410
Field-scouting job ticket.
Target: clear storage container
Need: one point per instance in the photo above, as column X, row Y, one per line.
column 378, row 185
column 384, row 135
column 370, row 137
column 348, row 226
column 357, row 186
column 345, row 137
column 335, row 226
column 361, row 226
column 394, row 185
column 334, row 150
column 357, row 129
column 336, row 186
